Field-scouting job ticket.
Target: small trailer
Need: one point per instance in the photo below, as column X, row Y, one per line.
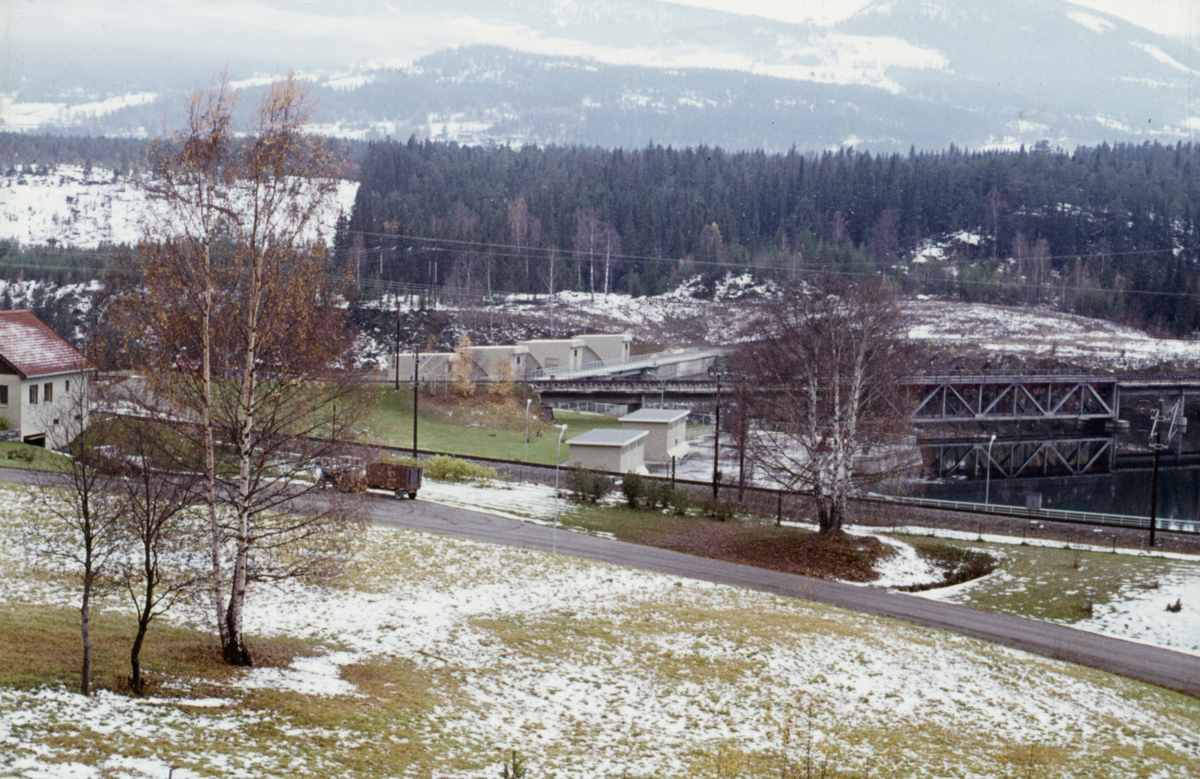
column 403, row 479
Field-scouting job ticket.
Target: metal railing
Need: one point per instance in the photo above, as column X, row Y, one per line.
column 588, row 407
column 1058, row 515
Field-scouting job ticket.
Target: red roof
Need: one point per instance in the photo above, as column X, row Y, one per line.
column 31, row 348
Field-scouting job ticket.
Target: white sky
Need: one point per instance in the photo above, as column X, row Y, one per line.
column 1167, row 17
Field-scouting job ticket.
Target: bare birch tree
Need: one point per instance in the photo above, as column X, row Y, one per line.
column 827, row 394
column 246, row 334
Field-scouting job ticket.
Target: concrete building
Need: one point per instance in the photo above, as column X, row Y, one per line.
column 606, row 348
column 666, row 431
column 560, row 354
column 43, row 382
column 619, row 451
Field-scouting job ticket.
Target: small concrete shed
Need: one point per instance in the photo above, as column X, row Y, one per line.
column 666, row 429
column 619, row 451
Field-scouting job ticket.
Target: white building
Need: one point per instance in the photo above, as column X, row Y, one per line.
column 43, row 382
column 618, row 451
column 666, row 431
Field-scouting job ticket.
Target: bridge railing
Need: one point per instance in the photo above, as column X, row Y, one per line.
column 588, row 368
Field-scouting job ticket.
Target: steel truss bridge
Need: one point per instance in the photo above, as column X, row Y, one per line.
column 1014, row 459
column 984, row 398
column 936, row 399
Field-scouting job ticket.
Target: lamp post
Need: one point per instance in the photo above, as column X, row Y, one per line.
column 557, row 457
column 987, row 488
column 527, row 402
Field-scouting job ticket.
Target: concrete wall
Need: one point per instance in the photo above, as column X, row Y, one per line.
column 435, row 366
column 564, row 354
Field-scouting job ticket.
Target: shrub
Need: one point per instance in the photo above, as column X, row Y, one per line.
column 658, row 493
column 588, row 486
column 451, row 469
column 716, row 508
column 4, row 424
column 1176, row 607
column 633, row 487
column 681, row 501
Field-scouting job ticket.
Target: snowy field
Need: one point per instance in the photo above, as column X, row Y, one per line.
column 437, row 653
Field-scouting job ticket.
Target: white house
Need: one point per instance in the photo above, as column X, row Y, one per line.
column 666, row 428
column 618, row 451
column 43, row 381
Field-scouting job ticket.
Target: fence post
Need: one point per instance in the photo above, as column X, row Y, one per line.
column 779, row 509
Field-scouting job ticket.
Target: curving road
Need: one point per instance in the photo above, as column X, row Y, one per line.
column 1164, row 667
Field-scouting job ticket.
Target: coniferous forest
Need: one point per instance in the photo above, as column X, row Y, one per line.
column 1109, row 231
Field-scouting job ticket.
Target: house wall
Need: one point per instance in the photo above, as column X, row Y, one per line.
column 11, row 407
column 61, row 417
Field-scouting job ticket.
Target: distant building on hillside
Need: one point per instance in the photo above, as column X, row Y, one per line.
column 43, row 382
column 543, row 356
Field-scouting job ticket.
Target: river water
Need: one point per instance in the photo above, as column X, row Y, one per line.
column 1124, row 490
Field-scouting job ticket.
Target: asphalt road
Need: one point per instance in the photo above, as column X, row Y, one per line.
column 1164, row 667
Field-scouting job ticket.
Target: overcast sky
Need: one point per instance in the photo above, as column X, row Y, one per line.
column 1167, row 17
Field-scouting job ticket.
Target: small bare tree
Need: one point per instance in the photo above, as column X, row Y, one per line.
column 86, row 527
column 164, row 565
column 828, row 394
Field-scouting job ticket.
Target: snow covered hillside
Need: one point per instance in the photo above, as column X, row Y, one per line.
column 65, row 208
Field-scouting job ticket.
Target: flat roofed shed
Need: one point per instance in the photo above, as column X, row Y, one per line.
column 615, row 451
column 607, row 437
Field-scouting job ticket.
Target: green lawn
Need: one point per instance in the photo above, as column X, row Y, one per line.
column 14, row 454
column 480, row 427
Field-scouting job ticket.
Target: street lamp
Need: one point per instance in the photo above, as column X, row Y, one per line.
column 557, row 457
column 527, row 402
column 987, row 488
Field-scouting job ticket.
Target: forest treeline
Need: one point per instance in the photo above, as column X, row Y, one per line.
column 1107, row 231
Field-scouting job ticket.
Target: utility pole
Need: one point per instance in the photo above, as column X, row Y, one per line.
column 416, row 394
column 717, row 439
column 397, row 344
column 1157, row 446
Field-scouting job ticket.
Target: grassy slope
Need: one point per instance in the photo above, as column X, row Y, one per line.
column 482, row 426
column 13, row 455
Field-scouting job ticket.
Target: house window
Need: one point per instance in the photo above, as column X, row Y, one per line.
column 48, row 392
column 3, row 394
column 67, row 385
column 33, row 394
